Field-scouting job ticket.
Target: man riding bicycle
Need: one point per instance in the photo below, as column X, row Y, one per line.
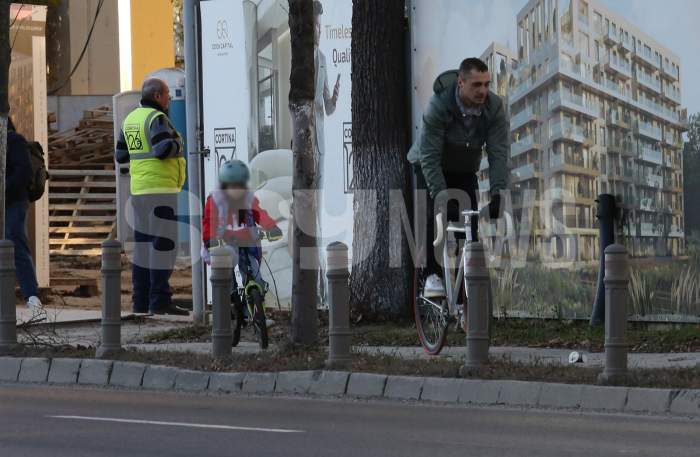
column 462, row 118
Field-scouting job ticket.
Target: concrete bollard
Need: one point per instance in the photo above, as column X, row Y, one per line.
column 338, row 307
column 221, row 281
column 111, row 300
column 8, row 310
column 616, row 295
column 478, row 306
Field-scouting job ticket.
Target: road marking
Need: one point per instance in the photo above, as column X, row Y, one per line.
column 176, row 424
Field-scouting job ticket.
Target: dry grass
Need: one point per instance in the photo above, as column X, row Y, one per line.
column 685, row 292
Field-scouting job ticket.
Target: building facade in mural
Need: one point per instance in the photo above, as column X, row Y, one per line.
column 595, row 108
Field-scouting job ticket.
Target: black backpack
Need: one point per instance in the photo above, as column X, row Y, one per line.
column 37, row 182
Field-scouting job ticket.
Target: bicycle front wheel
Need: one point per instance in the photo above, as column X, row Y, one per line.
column 259, row 318
column 431, row 316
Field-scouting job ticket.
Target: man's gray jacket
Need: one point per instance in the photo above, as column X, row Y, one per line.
column 446, row 144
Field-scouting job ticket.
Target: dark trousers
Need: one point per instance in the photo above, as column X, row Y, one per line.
column 16, row 231
column 457, row 183
column 155, row 250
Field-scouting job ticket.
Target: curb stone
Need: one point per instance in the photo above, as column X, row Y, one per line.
column 192, row 381
column 64, row 371
column 127, row 374
column 366, row 385
column 603, row 398
column 259, row 383
column 9, row 368
column 226, row 382
column 330, row 383
column 520, row 393
column 294, row 382
column 159, row 377
column 442, row 389
column 403, row 387
column 648, row 400
column 560, row 395
column 34, row 370
column 686, row 402
column 358, row 385
column 95, row 372
column 479, row 392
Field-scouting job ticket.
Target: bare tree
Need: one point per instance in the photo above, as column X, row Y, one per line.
column 305, row 177
column 4, row 105
column 380, row 117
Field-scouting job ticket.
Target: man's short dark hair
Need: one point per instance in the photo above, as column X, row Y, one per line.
column 10, row 125
column 318, row 8
column 470, row 64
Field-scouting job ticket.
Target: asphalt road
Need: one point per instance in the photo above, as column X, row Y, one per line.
column 58, row 422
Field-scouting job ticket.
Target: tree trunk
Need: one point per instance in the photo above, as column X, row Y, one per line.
column 379, row 288
column 4, row 107
column 305, row 181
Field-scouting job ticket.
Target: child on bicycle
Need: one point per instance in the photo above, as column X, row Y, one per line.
column 232, row 215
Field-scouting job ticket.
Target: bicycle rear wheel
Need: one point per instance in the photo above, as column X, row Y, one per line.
column 431, row 316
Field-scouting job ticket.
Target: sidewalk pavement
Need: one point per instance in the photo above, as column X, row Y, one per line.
column 52, row 315
column 547, row 356
column 244, row 347
column 62, row 315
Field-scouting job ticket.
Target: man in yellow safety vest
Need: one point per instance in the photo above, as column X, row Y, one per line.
column 154, row 151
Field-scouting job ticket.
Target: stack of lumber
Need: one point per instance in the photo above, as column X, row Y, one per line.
column 82, row 188
column 89, row 145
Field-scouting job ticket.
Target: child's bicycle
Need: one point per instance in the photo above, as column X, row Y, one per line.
column 248, row 299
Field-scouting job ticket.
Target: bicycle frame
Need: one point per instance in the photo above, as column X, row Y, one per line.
column 248, row 276
column 452, row 289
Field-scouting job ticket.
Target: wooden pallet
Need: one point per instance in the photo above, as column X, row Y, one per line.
column 90, row 143
column 82, row 210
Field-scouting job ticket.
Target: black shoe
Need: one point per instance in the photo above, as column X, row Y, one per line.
column 172, row 310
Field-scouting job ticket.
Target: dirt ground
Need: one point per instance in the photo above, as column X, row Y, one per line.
column 89, row 267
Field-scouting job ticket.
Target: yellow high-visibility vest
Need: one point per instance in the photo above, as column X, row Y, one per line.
column 149, row 174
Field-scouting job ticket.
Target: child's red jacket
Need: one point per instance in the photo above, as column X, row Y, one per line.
column 237, row 219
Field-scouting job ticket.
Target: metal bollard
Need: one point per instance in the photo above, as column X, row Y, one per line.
column 221, row 280
column 8, row 310
column 616, row 295
column 111, row 300
column 478, row 315
column 338, row 307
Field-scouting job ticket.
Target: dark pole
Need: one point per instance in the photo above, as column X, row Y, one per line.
column 606, row 217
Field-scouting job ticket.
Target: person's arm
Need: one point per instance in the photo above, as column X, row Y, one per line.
column 19, row 168
column 330, row 101
column 210, row 211
column 432, row 142
column 165, row 141
column 262, row 217
column 497, row 150
column 121, row 153
column 497, row 146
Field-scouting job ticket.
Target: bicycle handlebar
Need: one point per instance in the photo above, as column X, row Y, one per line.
column 440, row 236
column 468, row 214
